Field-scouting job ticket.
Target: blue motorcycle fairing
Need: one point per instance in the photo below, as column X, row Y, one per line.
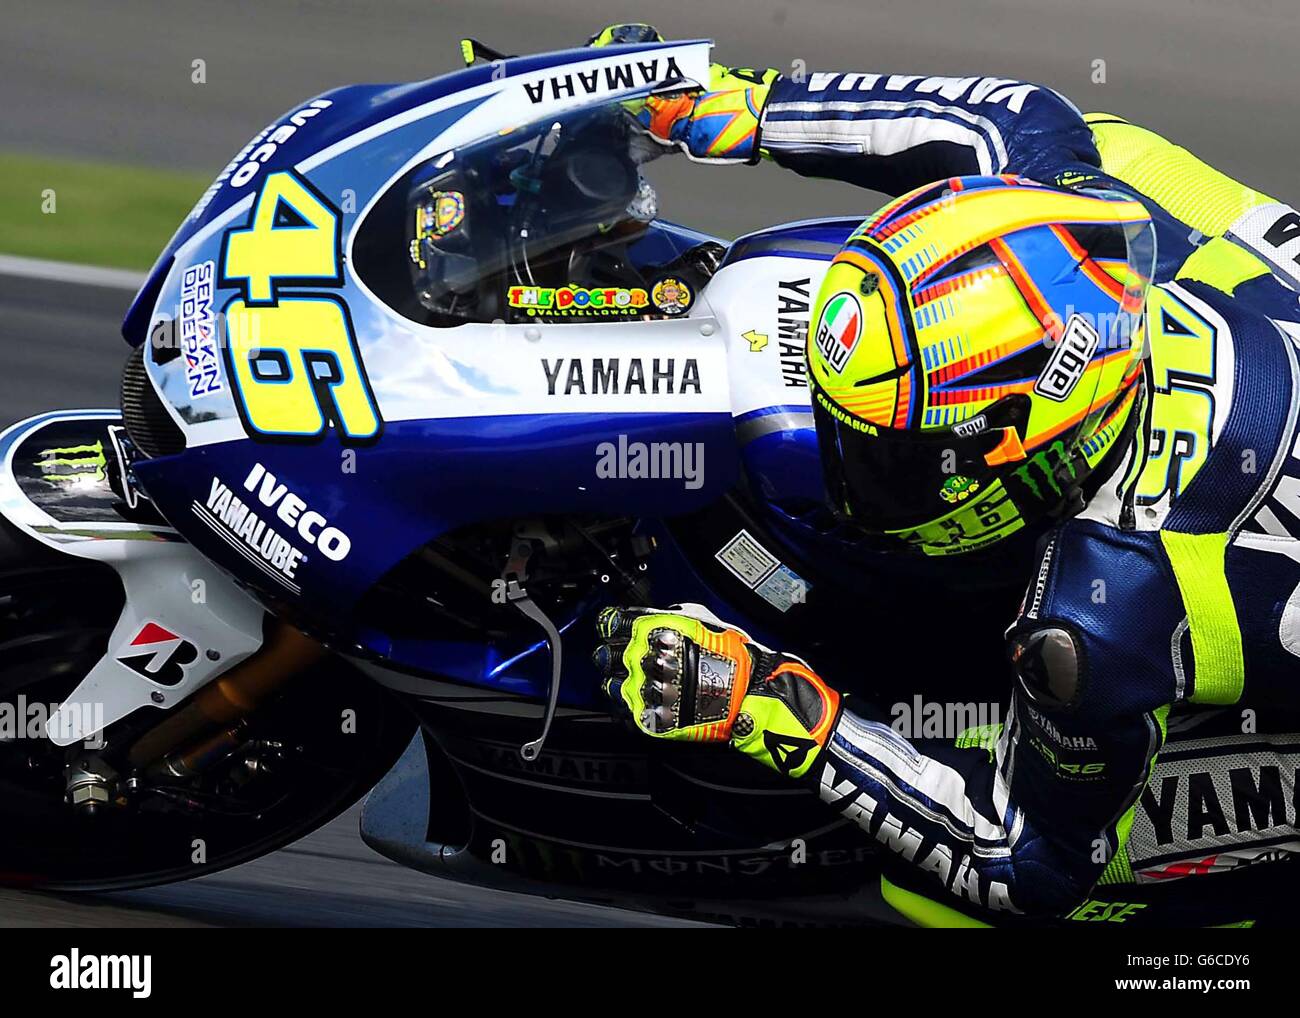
column 814, row 239
column 428, row 477
column 351, row 110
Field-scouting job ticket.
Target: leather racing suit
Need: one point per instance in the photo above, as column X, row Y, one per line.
column 1178, row 585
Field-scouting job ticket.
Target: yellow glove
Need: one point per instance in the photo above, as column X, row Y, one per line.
column 683, row 675
column 709, row 126
column 621, row 35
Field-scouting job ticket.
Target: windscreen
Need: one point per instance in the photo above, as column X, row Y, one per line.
column 550, row 220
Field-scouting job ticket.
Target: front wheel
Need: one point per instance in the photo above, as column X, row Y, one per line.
column 296, row 763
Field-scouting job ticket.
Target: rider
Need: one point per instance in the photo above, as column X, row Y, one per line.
column 978, row 369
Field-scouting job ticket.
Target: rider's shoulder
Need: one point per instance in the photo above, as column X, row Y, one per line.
column 1220, row 382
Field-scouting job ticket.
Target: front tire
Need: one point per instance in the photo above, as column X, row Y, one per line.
column 56, row 615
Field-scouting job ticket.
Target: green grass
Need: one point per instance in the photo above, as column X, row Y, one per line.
column 120, row 216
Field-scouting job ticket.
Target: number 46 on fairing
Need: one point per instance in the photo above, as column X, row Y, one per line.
column 293, row 360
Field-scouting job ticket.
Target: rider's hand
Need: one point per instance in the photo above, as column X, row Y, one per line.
column 718, row 125
column 682, row 674
column 620, row 35
column 708, row 126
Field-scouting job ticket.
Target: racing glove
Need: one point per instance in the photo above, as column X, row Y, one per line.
column 720, row 125
column 622, row 35
column 684, row 675
column 712, row 127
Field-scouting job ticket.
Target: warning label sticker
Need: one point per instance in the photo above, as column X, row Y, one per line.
column 761, row 571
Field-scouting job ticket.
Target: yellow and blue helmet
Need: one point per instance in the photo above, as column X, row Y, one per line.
column 976, row 352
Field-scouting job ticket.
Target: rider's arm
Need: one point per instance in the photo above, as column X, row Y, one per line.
column 893, row 132
column 1044, row 815
column 886, row 132
column 1026, row 824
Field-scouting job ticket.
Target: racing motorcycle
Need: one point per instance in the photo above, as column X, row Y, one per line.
column 422, row 382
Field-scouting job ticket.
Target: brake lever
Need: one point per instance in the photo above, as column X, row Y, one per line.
column 518, row 596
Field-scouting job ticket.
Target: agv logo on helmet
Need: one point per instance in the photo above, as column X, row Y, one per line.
column 840, row 329
column 1070, row 358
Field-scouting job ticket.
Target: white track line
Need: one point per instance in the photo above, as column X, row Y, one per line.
column 67, row 272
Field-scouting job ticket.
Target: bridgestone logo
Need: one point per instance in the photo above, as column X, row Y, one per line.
column 1069, row 360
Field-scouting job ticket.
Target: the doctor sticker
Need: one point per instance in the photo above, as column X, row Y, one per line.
column 840, row 329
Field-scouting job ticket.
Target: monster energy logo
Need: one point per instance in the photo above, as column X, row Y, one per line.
column 73, row 463
column 1049, row 462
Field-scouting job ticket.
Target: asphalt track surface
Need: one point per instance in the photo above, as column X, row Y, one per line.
column 112, row 82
